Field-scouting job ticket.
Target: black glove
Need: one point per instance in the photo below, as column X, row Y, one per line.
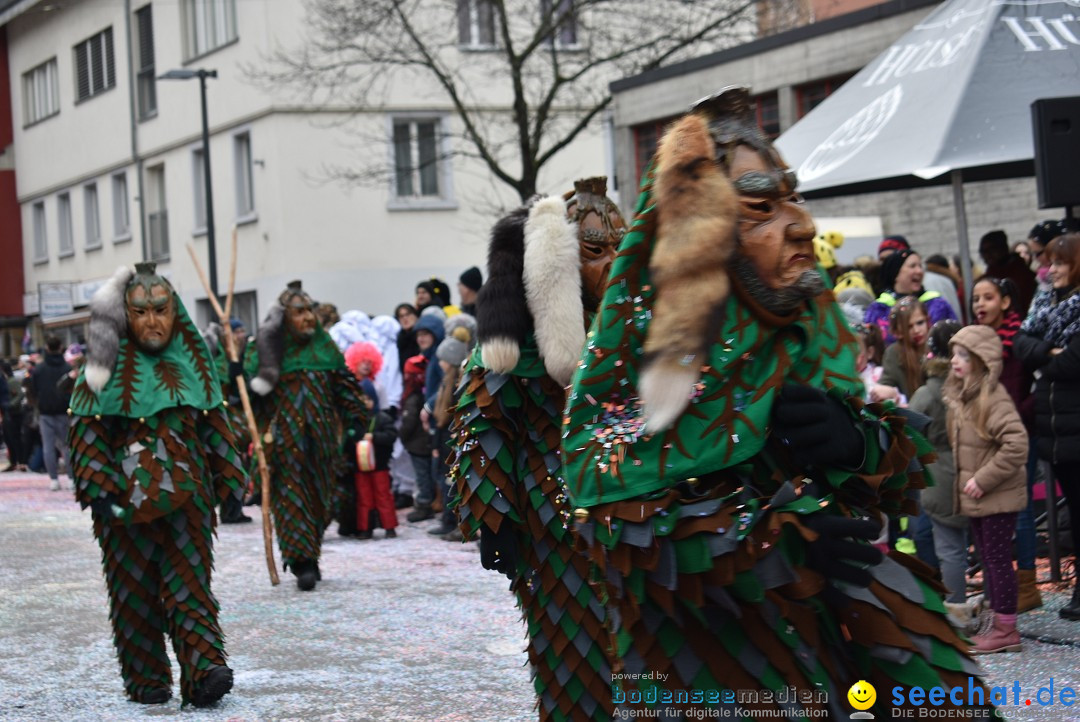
column 817, row 428
column 236, row 368
column 498, row 550
column 107, row 508
column 836, row 545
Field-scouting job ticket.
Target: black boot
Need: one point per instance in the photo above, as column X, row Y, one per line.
column 1071, row 611
column 305, row 575
column 403, row 501
column 215, row 685
column 157, row 695
column 421, row 513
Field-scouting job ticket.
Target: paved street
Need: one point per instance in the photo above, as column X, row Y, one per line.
column 406, row 629
column 411, row 629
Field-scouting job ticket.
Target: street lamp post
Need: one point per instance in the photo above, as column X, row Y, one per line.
column 211, row 249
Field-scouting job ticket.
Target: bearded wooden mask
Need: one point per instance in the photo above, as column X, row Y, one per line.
column 151, row 309
column 600, row 231
column 299, row 312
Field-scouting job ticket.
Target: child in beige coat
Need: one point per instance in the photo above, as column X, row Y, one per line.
column 990, row 449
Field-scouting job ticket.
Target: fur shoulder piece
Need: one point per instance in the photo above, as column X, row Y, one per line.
column 552, row 279
column 696, row 209
column 270, row 343
column 503, row 321
column 108, row 324
column 212, row 337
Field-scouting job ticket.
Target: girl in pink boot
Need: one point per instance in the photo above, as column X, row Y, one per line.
column 990, row 447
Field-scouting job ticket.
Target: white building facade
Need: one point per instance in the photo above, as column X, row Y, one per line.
column 109, row 164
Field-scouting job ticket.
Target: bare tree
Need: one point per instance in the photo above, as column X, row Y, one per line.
column 523, row 78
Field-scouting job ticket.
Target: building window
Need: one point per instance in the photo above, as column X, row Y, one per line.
column 646, row 137
column 767, row 107
column 41, row 240
column 417, row 161
column 245, row 193
column 93, row 220
column 121, row 215
column 157, row 217
column 809, row 96
column 208, row 24
column 144, row 61
column 95, row 71
column 63, row 224
column 244, row 308
column 198, row 176
column 560, row 15
column 41, row 96
column 476, row 23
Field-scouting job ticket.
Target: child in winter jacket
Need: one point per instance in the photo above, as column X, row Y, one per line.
column 949, row 527
column 990, row 447
column 373, row 497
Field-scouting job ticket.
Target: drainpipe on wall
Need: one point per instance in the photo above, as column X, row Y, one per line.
column 134, row 128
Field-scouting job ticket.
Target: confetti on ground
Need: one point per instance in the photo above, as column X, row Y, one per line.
column 406, row 629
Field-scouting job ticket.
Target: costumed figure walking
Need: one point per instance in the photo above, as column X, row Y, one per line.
column 725, row 475
column 547, row 264
column 306, row 399
column 152, row 453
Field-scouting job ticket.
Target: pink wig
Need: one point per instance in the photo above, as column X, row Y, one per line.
column 363, row 351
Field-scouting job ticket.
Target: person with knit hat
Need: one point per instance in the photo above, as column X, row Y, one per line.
column 151, row 454
column 902, row 275
column 548, row 264
column 304, row 396
column 724, row 474
column 890, row 245
column 455, row 348
column 469, row 284
column 432, row 292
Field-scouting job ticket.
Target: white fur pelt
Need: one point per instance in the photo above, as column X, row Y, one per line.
column 270, row 343
column 552, row 277
column 108, row 323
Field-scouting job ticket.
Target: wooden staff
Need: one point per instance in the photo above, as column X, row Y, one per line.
column 241, row 387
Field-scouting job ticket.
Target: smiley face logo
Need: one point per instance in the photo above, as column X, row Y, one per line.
column 862, row 695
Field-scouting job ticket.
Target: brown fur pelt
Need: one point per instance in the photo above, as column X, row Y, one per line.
column 696, row 207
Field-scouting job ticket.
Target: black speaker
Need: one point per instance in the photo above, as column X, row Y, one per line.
column 1056, row 126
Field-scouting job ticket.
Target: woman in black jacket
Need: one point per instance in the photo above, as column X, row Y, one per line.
column 1049, row 343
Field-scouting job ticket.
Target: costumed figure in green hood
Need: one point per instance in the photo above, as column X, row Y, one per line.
column 305, row 400
column 724, row 474
column 547, row 264
column 152, row 453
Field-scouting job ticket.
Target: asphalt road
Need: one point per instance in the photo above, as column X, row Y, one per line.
column 405, row 629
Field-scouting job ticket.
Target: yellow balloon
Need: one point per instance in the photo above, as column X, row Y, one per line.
column 862, row 695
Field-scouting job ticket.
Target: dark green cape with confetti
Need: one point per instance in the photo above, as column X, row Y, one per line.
column 698, row 532
column 506, row 470
column 157, row 444
column 303, row 421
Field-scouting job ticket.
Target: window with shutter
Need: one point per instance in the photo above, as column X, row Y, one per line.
column 208, row 25
column 147, row 89
column 95, row 68
column 41, row 97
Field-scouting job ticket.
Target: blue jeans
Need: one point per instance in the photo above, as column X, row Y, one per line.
column 54, row 430
column 951, row 547
column 1026, row 541
column 922, row 532
column 425, row 482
